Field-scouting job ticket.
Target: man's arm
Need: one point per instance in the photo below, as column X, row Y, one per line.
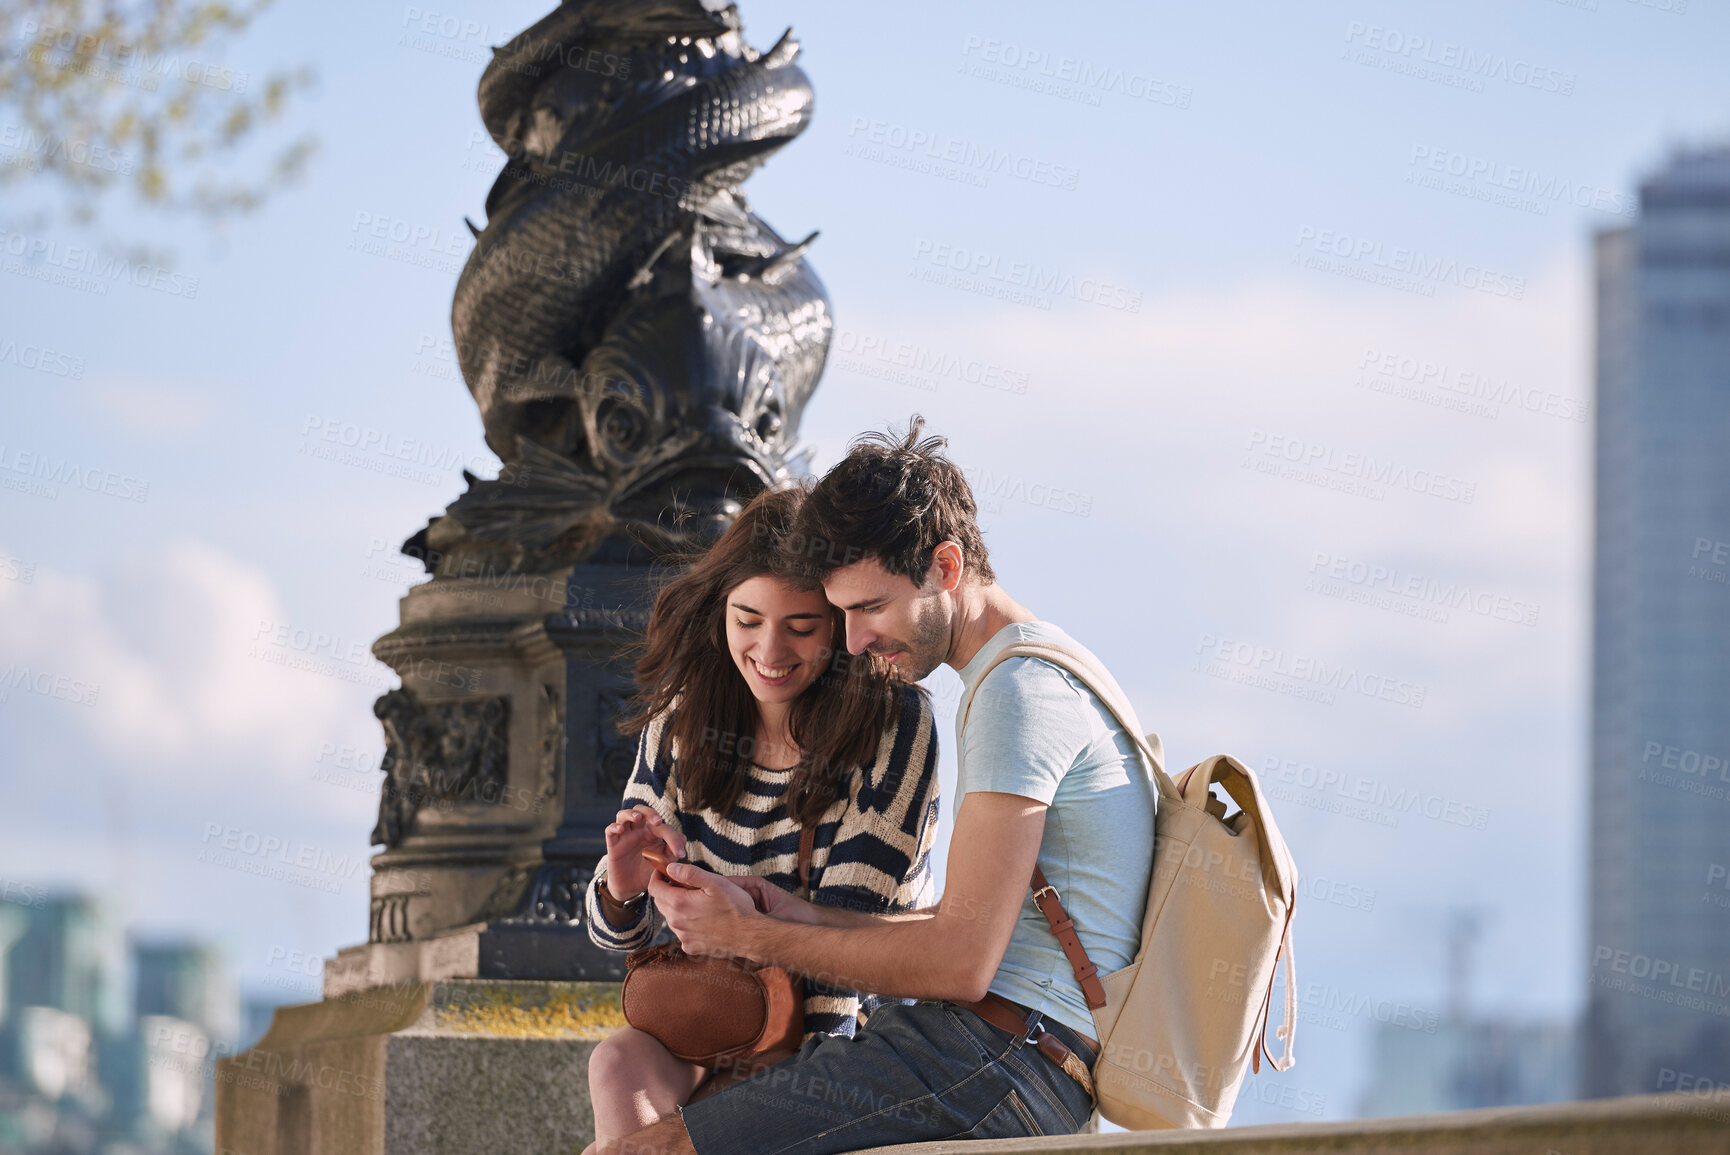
column 950, row 951
column 778, row 903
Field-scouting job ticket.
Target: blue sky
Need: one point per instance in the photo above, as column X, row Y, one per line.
column 1284, row 247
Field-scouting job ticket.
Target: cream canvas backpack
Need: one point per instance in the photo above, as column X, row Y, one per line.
column 1178, row 1027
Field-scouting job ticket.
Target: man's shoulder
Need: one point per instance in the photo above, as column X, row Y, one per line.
column 1037, row 705
column 1027, row 678
column 1022, row 678
column 1027, row 688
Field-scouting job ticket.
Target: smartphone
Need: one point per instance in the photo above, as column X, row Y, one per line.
column 661, row 858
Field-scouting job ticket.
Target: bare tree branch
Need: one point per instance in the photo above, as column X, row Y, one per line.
column 98, row 94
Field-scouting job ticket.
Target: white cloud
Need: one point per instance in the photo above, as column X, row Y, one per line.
column 171, row 639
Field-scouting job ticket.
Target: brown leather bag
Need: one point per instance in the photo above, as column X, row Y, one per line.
column 718, row 1012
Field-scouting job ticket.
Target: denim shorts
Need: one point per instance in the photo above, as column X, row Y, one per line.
column 913, row 1073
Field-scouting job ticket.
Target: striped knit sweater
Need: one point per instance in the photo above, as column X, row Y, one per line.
column 871, row 853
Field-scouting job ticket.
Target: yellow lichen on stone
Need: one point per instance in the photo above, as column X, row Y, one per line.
column 580, row 1012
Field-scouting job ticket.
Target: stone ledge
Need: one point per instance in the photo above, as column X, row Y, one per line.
column 415, row 1068
column 1675, row 1124
column 447, row 1068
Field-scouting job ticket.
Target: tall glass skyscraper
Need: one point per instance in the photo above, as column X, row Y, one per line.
column 1658, row 1015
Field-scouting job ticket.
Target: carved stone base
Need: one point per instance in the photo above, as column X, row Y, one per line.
column 495, row 1067
column 506, row 951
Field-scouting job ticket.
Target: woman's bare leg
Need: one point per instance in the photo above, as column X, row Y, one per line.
column 719, row 1081
column 633, row 1081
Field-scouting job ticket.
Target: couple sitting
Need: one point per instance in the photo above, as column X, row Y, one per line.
column 757, row 723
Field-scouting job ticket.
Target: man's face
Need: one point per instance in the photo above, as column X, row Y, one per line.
column 908, row 625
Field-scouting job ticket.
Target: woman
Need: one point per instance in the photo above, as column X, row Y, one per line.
column 755, row 721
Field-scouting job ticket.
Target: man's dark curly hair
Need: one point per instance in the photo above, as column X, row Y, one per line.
column 893, row 500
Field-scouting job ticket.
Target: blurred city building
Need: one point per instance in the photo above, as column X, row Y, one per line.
column 1658, row 1011
column 1421, row 1064
column 84, row 1068
column 1468, row 1063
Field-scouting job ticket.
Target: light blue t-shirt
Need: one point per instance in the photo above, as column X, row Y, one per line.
column 1036, row 731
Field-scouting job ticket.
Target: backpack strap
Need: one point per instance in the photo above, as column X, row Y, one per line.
column 1287, row 1028
column 1063, row 927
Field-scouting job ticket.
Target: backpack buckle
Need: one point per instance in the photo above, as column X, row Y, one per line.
column 1042, row 890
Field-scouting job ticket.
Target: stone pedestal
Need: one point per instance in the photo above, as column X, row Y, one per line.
column 505, row 763
column 421, row 1068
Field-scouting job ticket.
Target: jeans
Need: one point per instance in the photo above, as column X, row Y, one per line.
column 914, row 1073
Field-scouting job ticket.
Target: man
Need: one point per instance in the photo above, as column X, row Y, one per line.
column 1046, row 775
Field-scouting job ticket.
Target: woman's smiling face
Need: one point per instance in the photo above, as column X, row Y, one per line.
column 779, row 636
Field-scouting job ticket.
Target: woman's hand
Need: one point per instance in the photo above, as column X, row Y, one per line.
column 632, row 832
column 775, row 902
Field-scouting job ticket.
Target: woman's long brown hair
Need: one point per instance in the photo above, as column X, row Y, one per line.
column 686, row 669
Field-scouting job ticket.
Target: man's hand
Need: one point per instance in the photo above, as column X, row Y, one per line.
column 775, row 902
column 710, row 918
